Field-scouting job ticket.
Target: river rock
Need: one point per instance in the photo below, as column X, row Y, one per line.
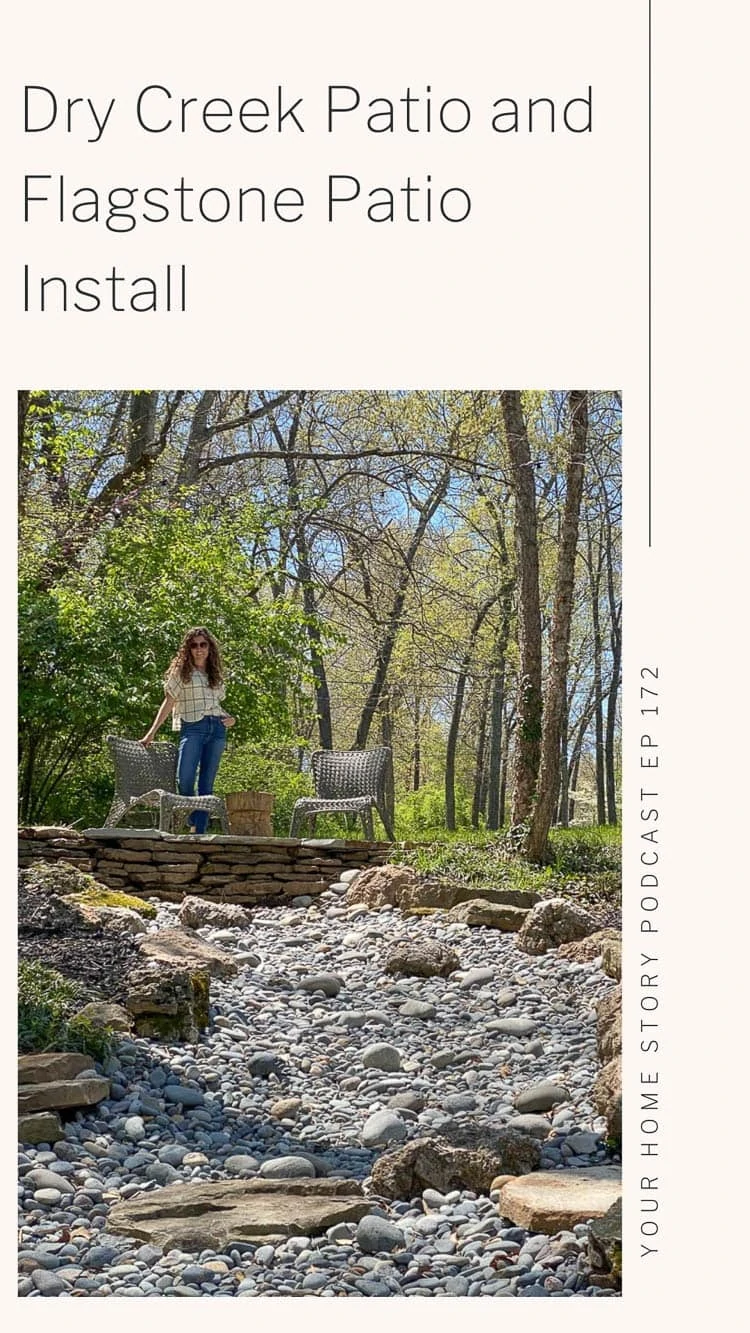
column 326, row 982
column 383, row 1127
column 376, row 1235
column 552, row 1201
column 552, row 922
column 541, row 1097
column 217, row 1214
column 380, row 1055
column 290, row 1167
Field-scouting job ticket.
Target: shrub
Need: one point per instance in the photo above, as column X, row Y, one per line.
column 423, row 811
column 46, row 1014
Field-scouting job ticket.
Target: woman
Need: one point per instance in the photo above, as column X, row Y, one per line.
column 193, row 690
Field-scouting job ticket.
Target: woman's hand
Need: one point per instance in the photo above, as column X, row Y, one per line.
column 228, row 720
column 148, row 739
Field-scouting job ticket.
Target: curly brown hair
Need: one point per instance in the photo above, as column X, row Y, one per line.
column 182, row 662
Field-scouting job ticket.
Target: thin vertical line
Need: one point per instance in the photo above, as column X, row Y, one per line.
column 649, row 335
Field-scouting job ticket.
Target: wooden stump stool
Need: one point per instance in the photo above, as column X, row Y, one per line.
column 250, row 813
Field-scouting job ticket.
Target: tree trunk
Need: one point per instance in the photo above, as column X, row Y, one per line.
column 528, row 725
column 549, row 767
column 388, row 642
column 417, row 746
column 288, row 447
column 477, row 804
column 615, row 614
column 496, row 747
column 562, row 809
column 458, row 704
column 197, row 439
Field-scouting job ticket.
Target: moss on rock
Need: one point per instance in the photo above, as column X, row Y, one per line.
column 98, row 895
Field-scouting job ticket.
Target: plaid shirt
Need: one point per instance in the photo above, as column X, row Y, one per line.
column 194, row 699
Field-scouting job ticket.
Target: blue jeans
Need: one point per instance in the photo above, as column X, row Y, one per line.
column 201, row 747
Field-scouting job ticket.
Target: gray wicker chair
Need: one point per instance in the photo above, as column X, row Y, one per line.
column 147, row 776
column 349, row 782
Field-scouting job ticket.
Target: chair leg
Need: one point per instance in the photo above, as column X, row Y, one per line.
column 115, row 812
column 367, row 823
column 387, row 825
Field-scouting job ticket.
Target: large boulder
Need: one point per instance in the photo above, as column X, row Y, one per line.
column 482, row 912
column 590, row 947
column 421, row 958
column 470, row 1160
column 187, row 949
column 612, row 957
column 607, row 1096
column 101, row 1014
column 605, row 1241
column 552, row 1201
column 56, row 896
column 39, row 1127
column 381, row 886
column 552, row 922
column 168, row 1001
column 609, row 1026
column 195, row 912
column 218, row 1214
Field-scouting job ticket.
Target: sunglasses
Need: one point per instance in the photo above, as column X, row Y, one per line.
column 199, row 643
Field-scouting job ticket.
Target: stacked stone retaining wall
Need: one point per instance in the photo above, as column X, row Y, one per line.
column 246, row 870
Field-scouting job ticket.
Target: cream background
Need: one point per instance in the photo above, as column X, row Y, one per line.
column 545, row 286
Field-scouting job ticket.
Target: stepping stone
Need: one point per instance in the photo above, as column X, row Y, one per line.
column 185, row 947
column 48, row 1066
column 552, row 1201
column 61, row 1094
column 497, row 916
column 215, row 1215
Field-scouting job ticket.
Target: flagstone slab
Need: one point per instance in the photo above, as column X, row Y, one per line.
column 214, row 1214
column 61, row 1094
column 552, row 1201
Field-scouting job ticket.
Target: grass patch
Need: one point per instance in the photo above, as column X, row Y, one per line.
column 585, row 863
column 47, row 1003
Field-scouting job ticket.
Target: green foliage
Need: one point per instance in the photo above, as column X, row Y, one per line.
column 586, row 851
column 46, row 1014
column 94, row 647
column 246, row 768
column 420, row 812
column 489, row 860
